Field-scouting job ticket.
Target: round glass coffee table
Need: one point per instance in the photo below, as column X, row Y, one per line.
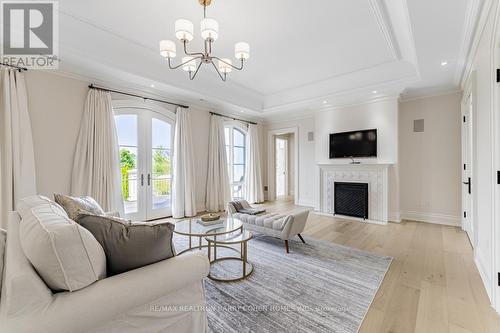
column 225, row 240
column 193, row 228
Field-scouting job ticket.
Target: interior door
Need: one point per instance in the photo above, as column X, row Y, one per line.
column 467, row 181
column 145, row 138
column 281, row 167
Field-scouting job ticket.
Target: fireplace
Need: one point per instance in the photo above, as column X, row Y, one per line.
column 351, row 199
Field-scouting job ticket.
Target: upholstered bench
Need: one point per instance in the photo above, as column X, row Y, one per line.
column 276, row 225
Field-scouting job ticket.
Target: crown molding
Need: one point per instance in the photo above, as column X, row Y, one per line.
column 429, row 94
column 380, row 13
column 483, row 13
column 472, row 22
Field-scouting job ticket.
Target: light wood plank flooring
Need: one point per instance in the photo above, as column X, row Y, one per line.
column 432, row 284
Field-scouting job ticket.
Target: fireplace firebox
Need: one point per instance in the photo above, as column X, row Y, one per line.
column 351, row 199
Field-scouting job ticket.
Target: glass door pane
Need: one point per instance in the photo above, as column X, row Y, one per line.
column 126, row 126
column 160, row 176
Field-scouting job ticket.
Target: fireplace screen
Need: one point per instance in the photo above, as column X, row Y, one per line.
column 351, row 199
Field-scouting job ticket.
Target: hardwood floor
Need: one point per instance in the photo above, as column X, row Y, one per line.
column 432, row 284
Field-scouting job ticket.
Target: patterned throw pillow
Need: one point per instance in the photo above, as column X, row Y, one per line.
column 77, row 205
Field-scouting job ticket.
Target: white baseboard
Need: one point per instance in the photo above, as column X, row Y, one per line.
column 478, row 260
column 431, row 218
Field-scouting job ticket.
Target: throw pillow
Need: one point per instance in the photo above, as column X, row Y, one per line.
column 129, row 245
column 237, row 205
column 75, row 205
column 65, row 255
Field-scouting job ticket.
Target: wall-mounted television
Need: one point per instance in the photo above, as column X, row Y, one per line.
column 354, row 144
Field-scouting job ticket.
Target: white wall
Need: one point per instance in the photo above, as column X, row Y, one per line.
column 382, row 115
column 430, row 161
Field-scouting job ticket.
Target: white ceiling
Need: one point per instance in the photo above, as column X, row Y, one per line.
column 302, row 52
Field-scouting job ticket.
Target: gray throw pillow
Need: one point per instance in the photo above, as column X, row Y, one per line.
column 129, row 245
column 76, row 205
column 252, row 211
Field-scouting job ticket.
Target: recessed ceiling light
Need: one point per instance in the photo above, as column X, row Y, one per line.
column 152, row 85
column 242, row 111
column 324, row 102
column 444, row 63
column 374, row 92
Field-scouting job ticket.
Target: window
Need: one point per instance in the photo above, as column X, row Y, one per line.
column 145, row 136
column 236, row 158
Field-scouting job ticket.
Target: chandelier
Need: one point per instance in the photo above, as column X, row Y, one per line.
column 192, row 61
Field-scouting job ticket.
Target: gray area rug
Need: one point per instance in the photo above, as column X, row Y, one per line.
column 317, row 287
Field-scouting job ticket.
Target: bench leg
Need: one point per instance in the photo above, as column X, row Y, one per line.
column 286, row 246
column 302, row 239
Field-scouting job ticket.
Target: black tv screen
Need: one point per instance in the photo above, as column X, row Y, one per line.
column 354, row 144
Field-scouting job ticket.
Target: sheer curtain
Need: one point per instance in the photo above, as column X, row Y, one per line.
column 96, row 165
column 183, row 186
column 218, row 188
column 17, row 159
column 254, row 189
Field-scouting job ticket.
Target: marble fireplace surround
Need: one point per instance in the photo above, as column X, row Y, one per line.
column 374, row 174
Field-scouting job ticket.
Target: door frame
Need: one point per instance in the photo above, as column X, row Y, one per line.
column 143, row 145
column 468, row 167
column 287, row 180
column 271, row 162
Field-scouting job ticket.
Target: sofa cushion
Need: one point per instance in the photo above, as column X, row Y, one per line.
column 130, row 245
column 3, row 241
column 272, row 221
column 75, row 205
column 65, row 255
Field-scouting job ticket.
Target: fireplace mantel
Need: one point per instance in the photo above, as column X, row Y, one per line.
column 374, row 174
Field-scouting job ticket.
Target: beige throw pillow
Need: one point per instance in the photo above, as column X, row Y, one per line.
column 76, row 205
column 65, row 255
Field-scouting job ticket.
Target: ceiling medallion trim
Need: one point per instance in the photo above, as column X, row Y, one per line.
column 192, row 61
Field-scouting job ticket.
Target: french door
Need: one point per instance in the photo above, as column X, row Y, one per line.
column 146, row 140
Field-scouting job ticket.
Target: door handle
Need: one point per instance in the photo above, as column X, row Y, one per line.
column 468, row 183
column 149, row 179
column 142, row 179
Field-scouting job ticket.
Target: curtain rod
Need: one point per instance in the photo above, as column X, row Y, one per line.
column 223, row 115
column 14, row 66
column 91, row 86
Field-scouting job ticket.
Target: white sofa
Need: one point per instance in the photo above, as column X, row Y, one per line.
column 167, row 296
column 276, row 225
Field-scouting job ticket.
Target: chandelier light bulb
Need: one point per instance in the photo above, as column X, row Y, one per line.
column 189, row 64
column 242, row 51
column 209, row 29
column 184, row 30
column 167, row 49
column 225, row 65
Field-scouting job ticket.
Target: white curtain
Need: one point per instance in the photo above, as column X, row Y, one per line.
column 96, row 165
column 254, row 189
column 183, row 186
column 218, row 187
column 17, row 159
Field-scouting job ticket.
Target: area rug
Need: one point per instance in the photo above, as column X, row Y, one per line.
column 317, row 287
